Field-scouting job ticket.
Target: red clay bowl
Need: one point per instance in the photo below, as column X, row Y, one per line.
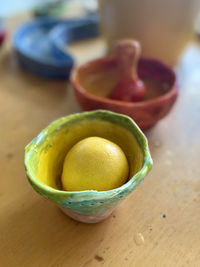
column 94, row 81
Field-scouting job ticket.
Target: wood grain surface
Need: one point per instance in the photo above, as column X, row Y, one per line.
column 157, row 225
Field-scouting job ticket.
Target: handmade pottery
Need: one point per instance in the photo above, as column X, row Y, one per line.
column 162, row 27
column 93, row 83
column 44, row 158
column 40, row 45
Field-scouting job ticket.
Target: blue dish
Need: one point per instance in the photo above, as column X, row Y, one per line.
column 39, row 51
column 72, row 31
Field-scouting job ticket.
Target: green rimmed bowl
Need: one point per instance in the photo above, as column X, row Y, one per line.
column 45, row 154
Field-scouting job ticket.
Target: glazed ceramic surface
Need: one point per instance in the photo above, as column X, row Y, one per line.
column 40, row 44
column 93, row 82
column 162, row 27
column 44, row 158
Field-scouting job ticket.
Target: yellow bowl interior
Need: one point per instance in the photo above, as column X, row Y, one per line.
column 51, row 151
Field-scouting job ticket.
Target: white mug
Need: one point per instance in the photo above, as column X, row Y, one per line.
column 163, row 27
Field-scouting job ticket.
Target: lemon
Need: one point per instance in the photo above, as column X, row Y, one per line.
column 94, row 163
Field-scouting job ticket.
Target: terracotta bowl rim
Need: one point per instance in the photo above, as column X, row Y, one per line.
column 163, row 98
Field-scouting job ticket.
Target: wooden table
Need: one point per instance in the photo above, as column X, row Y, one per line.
column 165, row 208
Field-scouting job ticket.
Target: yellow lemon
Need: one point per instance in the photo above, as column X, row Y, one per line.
column 94, row 163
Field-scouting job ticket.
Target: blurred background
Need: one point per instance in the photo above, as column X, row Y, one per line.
column 164, row 28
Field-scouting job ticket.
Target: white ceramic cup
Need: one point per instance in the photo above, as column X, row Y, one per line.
column 163, row 27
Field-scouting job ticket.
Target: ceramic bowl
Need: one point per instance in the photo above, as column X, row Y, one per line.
column 94, row 81
column 44, row 158
column 49, row 38
column 35, row 53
